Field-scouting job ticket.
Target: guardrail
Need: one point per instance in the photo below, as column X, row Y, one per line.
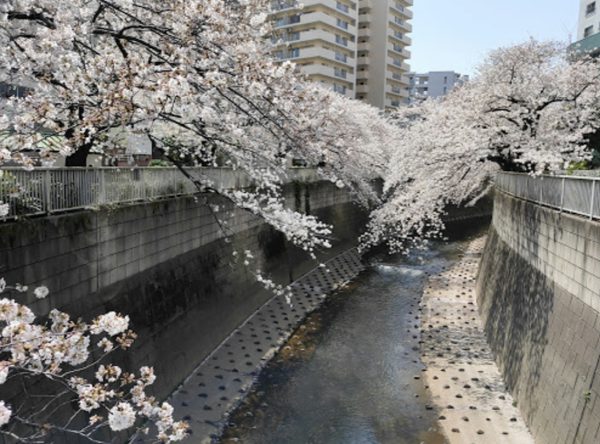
column 50, row 190
column 573, row 194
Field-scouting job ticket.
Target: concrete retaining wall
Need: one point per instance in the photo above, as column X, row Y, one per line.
column 539, row 296
column 167, row 265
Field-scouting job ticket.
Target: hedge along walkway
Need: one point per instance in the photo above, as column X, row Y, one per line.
column 463, row 379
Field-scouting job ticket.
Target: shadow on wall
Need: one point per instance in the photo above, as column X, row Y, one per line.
column 515, row 302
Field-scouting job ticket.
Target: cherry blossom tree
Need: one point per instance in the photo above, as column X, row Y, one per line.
column 537, row 105
column 528, row 109
column 61, row 362
column 194, row 76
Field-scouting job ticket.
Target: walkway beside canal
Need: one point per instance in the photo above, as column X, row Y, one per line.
column 463, row 379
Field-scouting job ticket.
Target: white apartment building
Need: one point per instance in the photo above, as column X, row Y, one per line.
column 434, row 84
column 383, row 43
column 320, row 38
column 589, row 19
column 357, row 47
column 588, row 32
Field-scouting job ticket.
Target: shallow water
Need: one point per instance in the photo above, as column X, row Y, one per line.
column 351, row 373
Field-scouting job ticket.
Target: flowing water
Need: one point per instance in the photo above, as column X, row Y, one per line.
column 351, row 373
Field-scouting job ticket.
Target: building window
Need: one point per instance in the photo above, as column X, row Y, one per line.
column 288, row 20
column 339, row 88
column 291, row 54
column 342, row 24
column 588, row 31
column 342, row 7
column 341, row 57
column 339, row 72
column 277, row 5
column 341, row 40
column 590, row 8
column 286, row 37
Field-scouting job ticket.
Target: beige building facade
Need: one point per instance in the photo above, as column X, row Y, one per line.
column 383, row 42
column 356, row 47
column 320, row 37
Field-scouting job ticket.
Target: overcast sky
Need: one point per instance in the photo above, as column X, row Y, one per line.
column 456, row 35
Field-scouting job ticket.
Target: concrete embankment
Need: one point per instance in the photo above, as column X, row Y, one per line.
column 538, row 291
column 168, row 266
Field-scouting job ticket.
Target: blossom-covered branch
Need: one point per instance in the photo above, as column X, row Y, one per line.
column 529, row 109
column 194, row 77
column 52, row 360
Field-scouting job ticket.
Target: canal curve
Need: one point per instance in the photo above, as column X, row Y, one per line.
column 351, row 373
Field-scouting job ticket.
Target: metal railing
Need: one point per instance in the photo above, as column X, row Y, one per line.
column 50, row 190
column 573, row 194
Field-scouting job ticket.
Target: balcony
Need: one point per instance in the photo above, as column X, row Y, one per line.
column 364, row 32
column 365, row 18
column 395, row 77
column 362, row 75
column 323, row 53
column 364, row 46
column 331, row 4
column 282, row 5
column 363, row 61
column 398, row 64
column 396, row 102
column 402, row 25
column 400, row 92
column 587, row 46
column 362, row 89
column 326, row 36
column 399, row 37
column 327, row 71
column 403, row 10
column 400, row 50
column 320, row 17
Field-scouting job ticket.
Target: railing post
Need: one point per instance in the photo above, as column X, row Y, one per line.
column 101, row 193
column 47, row 191
column 592, row 199
column 562, row 195
column 541, row 190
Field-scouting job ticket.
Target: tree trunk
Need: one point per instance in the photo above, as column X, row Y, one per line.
column 79, row 157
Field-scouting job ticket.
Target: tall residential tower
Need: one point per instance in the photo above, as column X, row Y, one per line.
column 320, row 38
column 356, row 47
column 383, row 43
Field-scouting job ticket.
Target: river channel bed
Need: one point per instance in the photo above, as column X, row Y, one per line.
column 351, row 373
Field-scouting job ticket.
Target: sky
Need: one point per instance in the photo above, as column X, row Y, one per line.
column 456, row 35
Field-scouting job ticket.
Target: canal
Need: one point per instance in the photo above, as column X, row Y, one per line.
column 351, row 373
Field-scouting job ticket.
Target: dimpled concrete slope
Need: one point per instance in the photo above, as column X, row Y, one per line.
column 226, row 375
column 464, row 381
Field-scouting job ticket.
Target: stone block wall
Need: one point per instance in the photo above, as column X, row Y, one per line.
column 539, row 296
